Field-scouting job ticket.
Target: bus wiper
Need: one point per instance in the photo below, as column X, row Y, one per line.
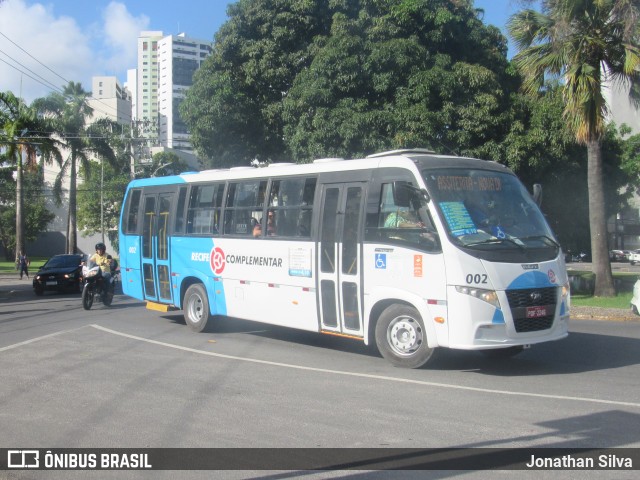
column 491, row 241
column 547, row 238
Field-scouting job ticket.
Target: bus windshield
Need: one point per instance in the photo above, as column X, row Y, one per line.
column 486, row 210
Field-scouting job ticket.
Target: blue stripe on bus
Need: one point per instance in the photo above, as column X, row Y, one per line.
column 153, row 181
column 183, row 250
column 533, row 279
column 498, row 317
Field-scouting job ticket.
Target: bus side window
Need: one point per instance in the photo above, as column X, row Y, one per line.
column 291, row 201
column 245, row 202
column 179, row 224
column 204, row 209
column 132, row 217
column 401, row 217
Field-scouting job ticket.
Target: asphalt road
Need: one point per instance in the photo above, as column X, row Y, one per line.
column 129, row 377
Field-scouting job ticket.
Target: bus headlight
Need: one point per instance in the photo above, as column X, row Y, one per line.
column 489, row 296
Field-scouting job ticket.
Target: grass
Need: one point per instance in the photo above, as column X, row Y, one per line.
column 621, row 300
column 10, row 267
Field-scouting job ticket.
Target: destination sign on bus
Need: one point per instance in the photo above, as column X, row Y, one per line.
column 469, row 184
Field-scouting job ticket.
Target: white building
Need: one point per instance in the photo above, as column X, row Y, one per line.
column 624, row 228
column 110, row 100
column 179, row 57
column 147, row 76
column 621, row 106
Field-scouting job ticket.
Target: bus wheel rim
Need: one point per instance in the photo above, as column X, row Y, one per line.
column 404, row 335
column 195, row 309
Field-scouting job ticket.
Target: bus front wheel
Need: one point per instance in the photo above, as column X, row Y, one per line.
column 401, row 337
column 196, row 307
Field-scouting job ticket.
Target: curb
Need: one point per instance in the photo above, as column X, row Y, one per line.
column 622, row 317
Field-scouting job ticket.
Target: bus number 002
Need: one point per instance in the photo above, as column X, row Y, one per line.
column 477, row 278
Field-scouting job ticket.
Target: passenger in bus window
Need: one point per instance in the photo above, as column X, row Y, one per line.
column 271, row 223
column 257, row 230
column 403, row 219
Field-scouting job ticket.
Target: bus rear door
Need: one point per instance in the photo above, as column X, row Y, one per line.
column 340, row 261
column 156, row 268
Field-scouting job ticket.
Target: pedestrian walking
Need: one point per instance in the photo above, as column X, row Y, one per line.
column 22, row 263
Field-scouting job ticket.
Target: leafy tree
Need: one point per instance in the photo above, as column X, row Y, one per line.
column 70, row 111
column 108, row 185
column 163, row 164
column 631, row 153
column 582, row 42
column 36, row 215
column 234, row 108
column 541, row 148
column 401, row 74
column 104, row 183
column 18, row 122
column 307, row 79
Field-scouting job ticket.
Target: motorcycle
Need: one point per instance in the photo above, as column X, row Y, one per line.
column 95, row 287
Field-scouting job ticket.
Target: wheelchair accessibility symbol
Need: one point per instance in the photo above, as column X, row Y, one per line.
column 381, row 260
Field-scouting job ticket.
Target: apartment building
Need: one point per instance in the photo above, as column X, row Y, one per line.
column 147, row 76
column 179, row 57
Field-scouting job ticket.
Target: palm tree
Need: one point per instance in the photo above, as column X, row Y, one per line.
column 583, row 42
column 70, row 112
column 20, row 124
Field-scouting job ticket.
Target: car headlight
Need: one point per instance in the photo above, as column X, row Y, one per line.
column 489, row 296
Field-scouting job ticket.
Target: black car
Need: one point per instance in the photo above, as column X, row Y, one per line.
column 61, row 272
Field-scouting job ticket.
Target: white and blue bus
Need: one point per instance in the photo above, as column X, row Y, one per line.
column 408, row 249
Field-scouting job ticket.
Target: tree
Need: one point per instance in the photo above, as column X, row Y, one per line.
column 104, row 183
column 36, row 216
column 19, row 123
column 401, row 74
column 582, row 42
column 70, row 111
column 233, row 109
column 95, row 216
column 293, row 78
column 163, row 164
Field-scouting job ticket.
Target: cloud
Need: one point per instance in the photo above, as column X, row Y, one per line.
column 40, row 51
column 121, row 31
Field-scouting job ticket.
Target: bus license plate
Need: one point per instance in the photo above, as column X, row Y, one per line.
column 536, row 312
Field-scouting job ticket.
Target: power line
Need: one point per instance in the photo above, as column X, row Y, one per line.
column 55, row 73
column 48, row 83
column 51, row 85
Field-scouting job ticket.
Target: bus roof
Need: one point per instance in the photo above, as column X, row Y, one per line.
column 410, row 159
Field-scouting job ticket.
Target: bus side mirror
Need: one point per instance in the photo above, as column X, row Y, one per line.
column 537, row 194
column 401, row 197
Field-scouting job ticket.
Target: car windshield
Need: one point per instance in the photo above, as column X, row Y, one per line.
column 485, row 209
column 62, row 262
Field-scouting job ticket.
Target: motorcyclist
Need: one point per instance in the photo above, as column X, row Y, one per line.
column 104, row 261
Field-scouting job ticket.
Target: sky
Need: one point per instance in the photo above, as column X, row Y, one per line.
column 45, row 44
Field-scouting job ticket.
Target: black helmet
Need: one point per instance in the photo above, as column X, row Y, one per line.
column 100, row 246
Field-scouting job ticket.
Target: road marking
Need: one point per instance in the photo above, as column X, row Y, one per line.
column 37, row 339
column 366, row 375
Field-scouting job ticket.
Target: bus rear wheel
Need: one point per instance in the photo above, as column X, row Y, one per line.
column 401, row 337
column 196, row 307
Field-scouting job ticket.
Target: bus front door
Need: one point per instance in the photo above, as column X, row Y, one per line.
column 340, row 262
column 155, row 248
